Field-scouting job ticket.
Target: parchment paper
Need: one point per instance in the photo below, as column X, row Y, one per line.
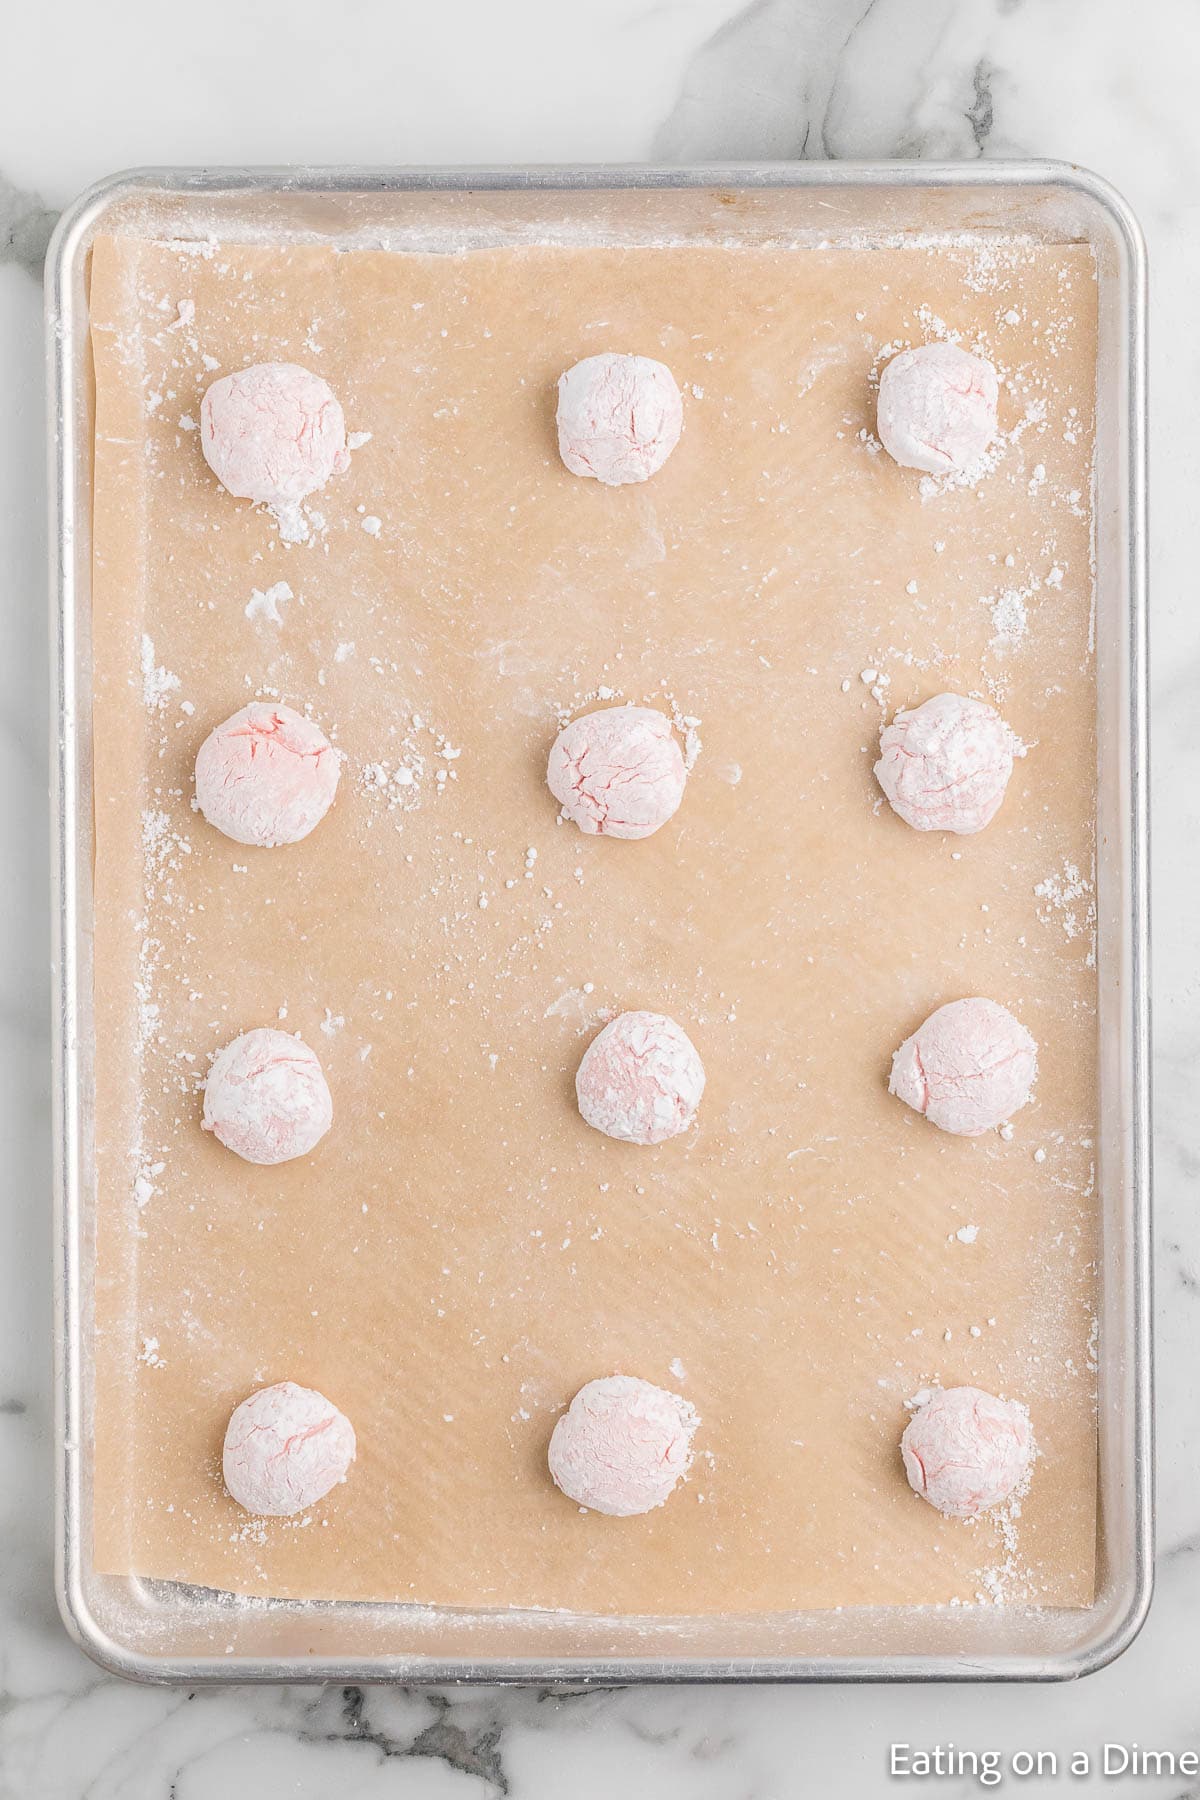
column 461, row 1252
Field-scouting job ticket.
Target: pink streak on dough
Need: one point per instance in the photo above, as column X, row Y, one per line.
column 965, row 1451
column 619, row 418
column 285, row 1448
column 937, row 408
column 266, row 1097
column 266, row 776
column 622, row 1445
column 945, row 765
column 641, row 1080
column 968, row 1068
column 273, row 433
column 618, row 772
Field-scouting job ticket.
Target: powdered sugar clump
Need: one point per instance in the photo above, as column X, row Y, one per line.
column 157, row 682
column 1069, row 896
column 265, row 604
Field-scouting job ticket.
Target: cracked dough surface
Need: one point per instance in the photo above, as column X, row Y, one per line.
column 461, row 1253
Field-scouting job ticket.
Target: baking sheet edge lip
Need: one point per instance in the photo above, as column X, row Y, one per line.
column 1142, row 1108
column 1128, row 1626
column 61, row 597
column 83, row 212
column 70, row 239
column 220, row 1671
column 893, row 1672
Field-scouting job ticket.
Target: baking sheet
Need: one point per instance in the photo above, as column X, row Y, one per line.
column 784, row 1256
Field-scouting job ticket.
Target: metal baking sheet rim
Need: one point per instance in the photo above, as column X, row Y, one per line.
column 1126, row 1482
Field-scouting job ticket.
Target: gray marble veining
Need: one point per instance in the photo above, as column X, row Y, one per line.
column 25, row 227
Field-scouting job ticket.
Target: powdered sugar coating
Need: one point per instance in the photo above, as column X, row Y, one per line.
column 285, row 1448
column 266, row 776
column 937, row 408
column 641, row 1079
column 273, row 433
column 622, row 1445
column 266, row 1097
column 619, row 417
column 945, row 764
column 968, row 1068
column 965, row 1451
column 618, row 772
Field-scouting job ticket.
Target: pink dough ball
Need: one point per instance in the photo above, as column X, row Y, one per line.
column 640, row 1080
column 944, row 765
column 619, row 772
column 285, row 1448
column 619, row 418
column 266, row 1097
column 937, row 408
column 266, row 776
column 622, row 1445
column 273, row 433
column 965, row 1451
column 968, row 1068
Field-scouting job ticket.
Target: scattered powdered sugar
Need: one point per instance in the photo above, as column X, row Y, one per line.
column 162, row 851
column 145, row 1183
column 265, row 604
column 157, row 682
column 932, row 486
column 397, row 783
column 692, row 744
column 688, row 727
column 204, row 247
column 398, row 779
column 1010, row 618
column 1010, row 608
column 576, row 1005
column 292, row 520
column 877, row 682
column 1069, row 896
column 1009, row 1580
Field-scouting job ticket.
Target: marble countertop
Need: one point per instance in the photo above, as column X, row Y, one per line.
column 91, row 89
